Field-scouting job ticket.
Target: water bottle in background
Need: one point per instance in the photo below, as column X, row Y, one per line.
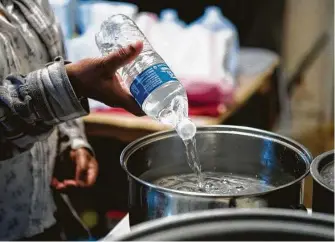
column 214, row 20
column 150, row 80
column 166, row 38
column 92, row 12
column 170, row 15
column 65, row 14
column 145, row 21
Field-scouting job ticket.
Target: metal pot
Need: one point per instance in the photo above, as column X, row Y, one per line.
column 323, row 188
column 230, row 149
column 235, row 225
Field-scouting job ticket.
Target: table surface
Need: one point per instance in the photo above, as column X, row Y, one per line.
column 256, row 68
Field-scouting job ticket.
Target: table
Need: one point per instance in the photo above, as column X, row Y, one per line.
column 256, row 69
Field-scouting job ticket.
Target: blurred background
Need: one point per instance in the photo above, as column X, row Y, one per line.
column 258, row 63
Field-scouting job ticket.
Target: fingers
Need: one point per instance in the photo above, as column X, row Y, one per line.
column 85, row 173
column 57, row 184
column 86, row 168
column 131, row 105
column 92, row 173
column 63, row 185
column 126, row 100
column 96, row 78
column 82, row 160
column 123, row 56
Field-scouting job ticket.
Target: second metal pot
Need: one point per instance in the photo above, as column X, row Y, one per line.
column 229, row 149
column 323, row 184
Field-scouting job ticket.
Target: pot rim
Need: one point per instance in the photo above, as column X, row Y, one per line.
column 314, row 169
column 212, row 214
column 290, row 143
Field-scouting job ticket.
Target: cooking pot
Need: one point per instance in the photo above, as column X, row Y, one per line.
column 322, row 171
column 235, row 225
column 230, row 149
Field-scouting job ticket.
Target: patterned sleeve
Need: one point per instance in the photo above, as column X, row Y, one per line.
column 31, row 105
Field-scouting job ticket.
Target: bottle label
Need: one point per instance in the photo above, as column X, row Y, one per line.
column 150, row 79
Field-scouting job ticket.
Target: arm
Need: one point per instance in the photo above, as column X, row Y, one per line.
column 31, row 105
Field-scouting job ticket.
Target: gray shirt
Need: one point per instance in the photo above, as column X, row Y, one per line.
column 38, row 115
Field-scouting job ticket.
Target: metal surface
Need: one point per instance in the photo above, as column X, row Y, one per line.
column 235, row 224
column 323, row 195
column 229, row 149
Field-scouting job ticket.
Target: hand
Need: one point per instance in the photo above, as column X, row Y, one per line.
column 86, row 170
column 96, row 78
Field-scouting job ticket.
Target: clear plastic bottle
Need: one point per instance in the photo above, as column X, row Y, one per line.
column 149, row 79
column 214, row 20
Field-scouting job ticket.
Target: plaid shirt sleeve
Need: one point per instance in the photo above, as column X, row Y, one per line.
column 31, row 105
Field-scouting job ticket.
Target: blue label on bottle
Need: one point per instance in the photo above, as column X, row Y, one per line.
column 150, row 79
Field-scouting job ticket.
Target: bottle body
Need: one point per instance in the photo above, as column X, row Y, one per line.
column 149, row 79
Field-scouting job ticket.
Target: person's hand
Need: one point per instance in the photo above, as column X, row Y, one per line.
column 86, row 171
column 96, row 78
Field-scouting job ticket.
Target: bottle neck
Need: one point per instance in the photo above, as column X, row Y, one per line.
column 213, row 15
column 186, row 129
column 169, row 15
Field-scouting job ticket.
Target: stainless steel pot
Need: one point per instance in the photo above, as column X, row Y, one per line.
column 230, row 149
column 323, row 185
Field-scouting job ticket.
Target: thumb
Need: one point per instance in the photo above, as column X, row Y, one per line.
column 123, row 56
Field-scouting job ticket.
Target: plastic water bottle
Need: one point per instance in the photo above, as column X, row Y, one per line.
column 215, row 20
column 171, row 15
column 149, row 79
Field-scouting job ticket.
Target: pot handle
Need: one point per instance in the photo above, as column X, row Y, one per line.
column 299, row 207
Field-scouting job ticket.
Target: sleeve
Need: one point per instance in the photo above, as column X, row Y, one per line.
column 32, row 105
column 72, row 134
